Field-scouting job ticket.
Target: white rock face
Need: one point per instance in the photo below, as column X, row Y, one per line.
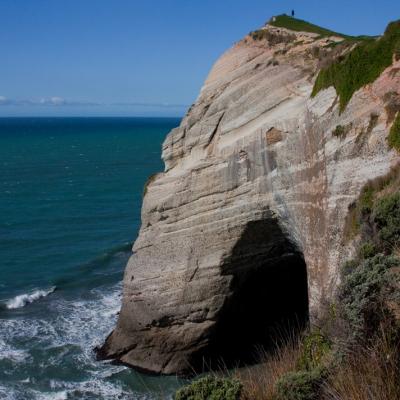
column 252, row 175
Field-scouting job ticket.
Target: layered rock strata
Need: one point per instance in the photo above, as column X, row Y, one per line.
column 255, row 148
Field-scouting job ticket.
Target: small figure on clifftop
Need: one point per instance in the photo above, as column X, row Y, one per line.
column 292, row 13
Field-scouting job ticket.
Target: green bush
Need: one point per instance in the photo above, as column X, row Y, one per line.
column 361, row 66
column 387, row 217
column 349, row 266
column 211, row 388
column 394, row 134
column 300, row 385
column 363, row 294
column 315, row 348
column 367, row 250
column 360, row 217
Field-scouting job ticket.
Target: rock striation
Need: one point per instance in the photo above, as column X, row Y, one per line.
column 255, row 182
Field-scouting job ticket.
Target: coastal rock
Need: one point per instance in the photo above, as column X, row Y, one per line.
column 246, row 222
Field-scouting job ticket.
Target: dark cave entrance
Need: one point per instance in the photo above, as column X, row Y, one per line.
column 269, row 298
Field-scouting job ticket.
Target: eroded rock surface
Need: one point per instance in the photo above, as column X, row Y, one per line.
column 254, row 148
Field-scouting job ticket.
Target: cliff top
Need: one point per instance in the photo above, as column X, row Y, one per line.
column 345, row 62
column 298, row 25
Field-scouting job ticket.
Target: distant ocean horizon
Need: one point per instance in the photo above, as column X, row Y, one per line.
column 70, row 195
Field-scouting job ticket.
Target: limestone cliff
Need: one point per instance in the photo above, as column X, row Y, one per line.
column 258, row 179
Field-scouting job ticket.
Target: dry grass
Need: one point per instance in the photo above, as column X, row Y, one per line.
column 259, row 381
column 369, row 374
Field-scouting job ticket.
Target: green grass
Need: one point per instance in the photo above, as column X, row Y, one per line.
column 361, row 66
column 394, row 134
column 294, row 24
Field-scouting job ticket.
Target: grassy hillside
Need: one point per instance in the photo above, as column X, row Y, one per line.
column 294, row 24
column 361, row 66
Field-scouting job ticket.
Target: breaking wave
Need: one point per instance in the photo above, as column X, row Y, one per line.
column 23, row 299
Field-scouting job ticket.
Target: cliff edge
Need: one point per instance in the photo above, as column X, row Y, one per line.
column 246, row 225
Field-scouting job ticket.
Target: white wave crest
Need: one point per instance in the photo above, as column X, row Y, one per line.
column 23, row 299
column 54, row 396
column 79, row 326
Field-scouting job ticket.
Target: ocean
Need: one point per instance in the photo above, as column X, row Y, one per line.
column 70, row 199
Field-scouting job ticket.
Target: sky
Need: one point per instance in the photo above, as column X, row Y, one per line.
column 139, row 58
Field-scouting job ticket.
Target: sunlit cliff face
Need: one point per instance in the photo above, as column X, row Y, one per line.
column 244, row 229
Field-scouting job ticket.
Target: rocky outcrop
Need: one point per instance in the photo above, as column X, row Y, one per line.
column 255, row 181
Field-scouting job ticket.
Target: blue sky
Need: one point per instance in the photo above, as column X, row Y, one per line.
column 135, row 57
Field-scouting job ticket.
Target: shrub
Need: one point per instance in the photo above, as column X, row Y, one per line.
column 211, row 388
column 359, row 214
column 315, row 348
column 300, row 385
column 361, row 66
column 387, row 217
column 367, row 250
column 349, row 266
column 394, row 134
column 370, row 373
column 363, row 295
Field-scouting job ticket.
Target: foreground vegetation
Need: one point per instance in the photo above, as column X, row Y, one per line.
column 353, row 351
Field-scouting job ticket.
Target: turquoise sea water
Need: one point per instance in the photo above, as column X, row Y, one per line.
column 70, row 199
